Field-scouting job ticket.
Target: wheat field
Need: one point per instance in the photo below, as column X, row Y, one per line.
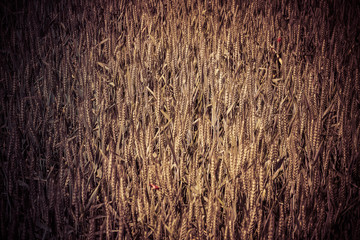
column 173, row 119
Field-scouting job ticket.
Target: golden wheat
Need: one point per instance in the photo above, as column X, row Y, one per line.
column 179, row 119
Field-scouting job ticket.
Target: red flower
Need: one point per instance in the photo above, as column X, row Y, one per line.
column 278, row 39
column 154, row 186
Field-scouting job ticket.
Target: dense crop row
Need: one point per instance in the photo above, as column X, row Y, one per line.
column 179, row 119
